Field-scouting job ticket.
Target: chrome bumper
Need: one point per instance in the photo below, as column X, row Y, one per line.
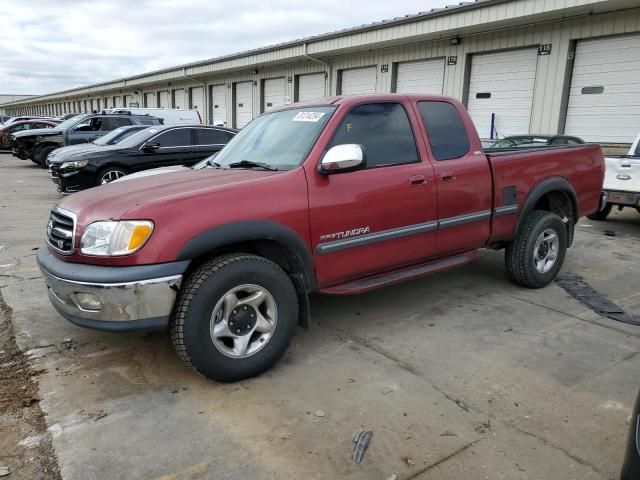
column 129, row 305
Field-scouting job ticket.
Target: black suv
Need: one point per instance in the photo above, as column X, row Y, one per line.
column 37, row 144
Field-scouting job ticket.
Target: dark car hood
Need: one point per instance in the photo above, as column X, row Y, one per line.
column 113, row 200
column 38, row 132
column 77, row 152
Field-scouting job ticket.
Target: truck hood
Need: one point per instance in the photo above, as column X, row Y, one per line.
column 622, row 173
column 38, row 132
column 112, row 201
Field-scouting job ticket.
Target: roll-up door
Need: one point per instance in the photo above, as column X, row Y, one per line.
column 311, row 87
column 197, row 100
column 218, row 104
column 127, row 100
column 424, row 76
column 163, row 99
column 243, row 103
column 178, row 98
column 358, row 80
column 604, row 99
column 150, row 100
column 273, row 93
column 502, row 83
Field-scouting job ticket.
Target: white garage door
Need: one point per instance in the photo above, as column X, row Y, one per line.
column 273, row 94
column 425, row 76
column 117, row 101
column 218, row 104
column 604, row 100
column 150, row 100
column 107, row 102
column 311, row 87
column 127, row 100
column 163, row 99
column 178, row 98
column 243, row 103
column 358, row 80
column 197, row 100
column 502, row 83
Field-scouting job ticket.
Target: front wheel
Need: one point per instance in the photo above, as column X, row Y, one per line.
column 536, row 255
column 235, row 317
column 110, row 174
column 601, row 215
column 42, row 155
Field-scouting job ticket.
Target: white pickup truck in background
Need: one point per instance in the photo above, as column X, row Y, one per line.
column 621, row 182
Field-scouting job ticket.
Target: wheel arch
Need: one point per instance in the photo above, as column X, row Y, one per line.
column 269, row 239
column 555, row 195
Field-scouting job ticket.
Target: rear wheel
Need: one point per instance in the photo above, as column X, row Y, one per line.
column 110, row 174
column 602, row 214
column 536, row 255
column 235, row 317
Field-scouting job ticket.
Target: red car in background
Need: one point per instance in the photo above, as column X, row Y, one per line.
column 7, row 131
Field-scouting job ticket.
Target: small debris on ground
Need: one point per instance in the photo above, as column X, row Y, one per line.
column 448, row 433
column 320, row 413
column 409, row 461
column 4, row 471
column 361, row 440
column 386, row 391
column 609, row 233
column 393, row 476
column 351, row 380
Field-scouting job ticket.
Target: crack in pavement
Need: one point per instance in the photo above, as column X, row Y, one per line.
column 414, row 370
column 444, row 459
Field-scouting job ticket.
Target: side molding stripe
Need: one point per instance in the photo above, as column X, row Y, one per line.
column 506, row 210
column 338, row 245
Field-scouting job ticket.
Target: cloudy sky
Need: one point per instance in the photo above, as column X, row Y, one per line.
column 46, row 45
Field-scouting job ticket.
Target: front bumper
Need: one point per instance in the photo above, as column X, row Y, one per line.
column 112, row 298
column 617, row 197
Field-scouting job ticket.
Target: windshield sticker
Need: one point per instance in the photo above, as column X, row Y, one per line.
column 308, row 116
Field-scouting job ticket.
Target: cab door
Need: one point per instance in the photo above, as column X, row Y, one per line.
column 383, row 216
column 462, row 176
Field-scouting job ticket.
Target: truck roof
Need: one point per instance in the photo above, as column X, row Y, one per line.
column 373, row 97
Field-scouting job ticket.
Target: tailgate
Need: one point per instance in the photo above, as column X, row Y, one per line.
column 622, row 174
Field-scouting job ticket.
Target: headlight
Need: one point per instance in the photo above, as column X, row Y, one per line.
column 74, row 165
column 115, row 238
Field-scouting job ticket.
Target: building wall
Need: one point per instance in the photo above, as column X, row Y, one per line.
column 553, row 70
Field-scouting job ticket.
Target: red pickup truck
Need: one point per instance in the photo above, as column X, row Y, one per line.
column 338, row 196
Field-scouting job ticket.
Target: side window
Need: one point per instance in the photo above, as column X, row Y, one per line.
column 174, row 138
column 92, row 124
column 445, row 129
column 210, row 136
column 115, row 122
column 20, row 127
column 383, row 129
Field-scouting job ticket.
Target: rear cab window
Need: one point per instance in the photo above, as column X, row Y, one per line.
column 383, row 130
column 446, row 131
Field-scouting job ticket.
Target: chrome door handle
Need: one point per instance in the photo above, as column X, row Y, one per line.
column 448, row 177
column 418, row 180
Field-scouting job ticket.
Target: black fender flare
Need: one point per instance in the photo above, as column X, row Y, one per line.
column 555, row 184
column 253, row 230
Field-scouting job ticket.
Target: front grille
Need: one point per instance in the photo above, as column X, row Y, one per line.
column 60, row 231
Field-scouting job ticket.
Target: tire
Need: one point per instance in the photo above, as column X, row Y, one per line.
column 534, row 234
column 41, row 159
column 110, row 174
column 35, row 161
column 194, row 327
column 601, row 215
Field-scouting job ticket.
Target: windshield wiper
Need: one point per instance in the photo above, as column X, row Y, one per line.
column 251, row 164
column 213, row 164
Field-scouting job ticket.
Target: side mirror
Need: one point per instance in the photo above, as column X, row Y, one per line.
column 343, row 158
column 151, row 147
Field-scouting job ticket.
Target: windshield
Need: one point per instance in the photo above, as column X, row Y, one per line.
column 71, row 122
column 279, row 140
column 117, row 135
column 137, row 138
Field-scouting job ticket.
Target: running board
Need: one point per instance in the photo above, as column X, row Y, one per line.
column 397, row 276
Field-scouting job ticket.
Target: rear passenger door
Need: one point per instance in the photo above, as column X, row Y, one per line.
column 463, row 179
column 209, row 141
column 174, row 147
column 87, row 131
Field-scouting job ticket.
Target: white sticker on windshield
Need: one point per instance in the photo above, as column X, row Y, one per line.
column 308, row 116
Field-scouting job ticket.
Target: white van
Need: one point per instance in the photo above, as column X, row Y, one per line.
column 171, row 116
